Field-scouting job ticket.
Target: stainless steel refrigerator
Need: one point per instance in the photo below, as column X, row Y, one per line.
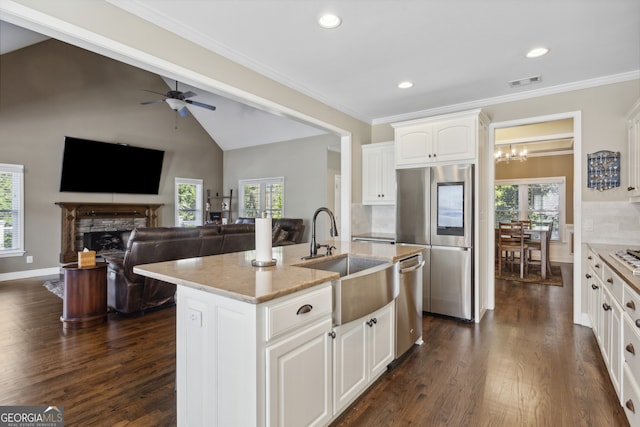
column 434, row 208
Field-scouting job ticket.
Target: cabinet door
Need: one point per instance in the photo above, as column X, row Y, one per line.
column 388, row 173
column 371, row 163
column 381, row 340
column 634, row 155
column 414, row 145
column 605, row 343
column 349, row 363
column 455, row 139
column 298, row 385
column 615, row 359
column 593, row 288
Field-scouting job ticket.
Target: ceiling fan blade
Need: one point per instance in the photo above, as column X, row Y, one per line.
column 152, row 102
column 200, row 104
column 188, row 94
column 183, row 112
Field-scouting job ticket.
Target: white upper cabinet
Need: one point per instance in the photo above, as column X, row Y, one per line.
column 634, row 153
column 435, row 140
column 378, row 174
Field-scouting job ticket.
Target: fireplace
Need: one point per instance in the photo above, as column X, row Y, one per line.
column 103, row 227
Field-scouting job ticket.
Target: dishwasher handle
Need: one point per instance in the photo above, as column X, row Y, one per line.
column 412, row 268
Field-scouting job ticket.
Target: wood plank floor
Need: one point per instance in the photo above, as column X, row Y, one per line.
column 526, row 364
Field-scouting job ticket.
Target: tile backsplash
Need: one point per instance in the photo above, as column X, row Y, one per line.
column 611, row 222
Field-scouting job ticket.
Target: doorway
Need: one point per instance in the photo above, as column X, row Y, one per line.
column 553, row 152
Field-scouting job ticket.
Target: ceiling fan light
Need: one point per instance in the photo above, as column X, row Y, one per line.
column 175, row 104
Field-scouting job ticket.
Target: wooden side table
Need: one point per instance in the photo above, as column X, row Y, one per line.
column 85, row 296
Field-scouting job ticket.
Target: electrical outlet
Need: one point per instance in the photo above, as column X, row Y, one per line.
column 29, row 259
column 195, row 317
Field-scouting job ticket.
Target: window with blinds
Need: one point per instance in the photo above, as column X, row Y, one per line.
column 258, row 195
column 540, row 200
column 11, row 210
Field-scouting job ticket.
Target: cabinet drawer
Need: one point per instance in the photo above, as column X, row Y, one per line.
column 631, row 345
column 631, row 303
column 614, row 283
column 595, row 263
column 631, row 397
column 282, row 317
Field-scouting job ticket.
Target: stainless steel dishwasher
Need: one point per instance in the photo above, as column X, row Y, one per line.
column 409, row 304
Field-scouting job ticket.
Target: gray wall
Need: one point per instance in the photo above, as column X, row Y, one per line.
column 302, row 162
column 53, row 89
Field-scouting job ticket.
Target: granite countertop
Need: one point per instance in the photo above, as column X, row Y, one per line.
column 605, row 251
column 232, row 275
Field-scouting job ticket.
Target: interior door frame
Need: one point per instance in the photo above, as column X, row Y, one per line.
column 579, row 316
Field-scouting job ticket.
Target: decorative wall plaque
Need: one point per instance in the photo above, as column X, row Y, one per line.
column 603, row 170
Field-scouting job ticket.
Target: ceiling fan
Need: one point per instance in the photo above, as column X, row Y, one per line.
column 178, row 100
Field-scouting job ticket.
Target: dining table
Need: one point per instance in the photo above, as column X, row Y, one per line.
column 539, row 232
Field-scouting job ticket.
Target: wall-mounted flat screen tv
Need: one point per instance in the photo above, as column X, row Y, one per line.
column 100, row 167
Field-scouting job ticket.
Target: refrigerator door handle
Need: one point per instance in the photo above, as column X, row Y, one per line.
column 412, row 268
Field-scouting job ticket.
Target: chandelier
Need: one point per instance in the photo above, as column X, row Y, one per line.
column 511, row 154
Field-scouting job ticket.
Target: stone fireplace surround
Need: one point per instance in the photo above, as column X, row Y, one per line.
column 78, row 218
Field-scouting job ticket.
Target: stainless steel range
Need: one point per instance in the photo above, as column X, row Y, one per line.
column 630, row 258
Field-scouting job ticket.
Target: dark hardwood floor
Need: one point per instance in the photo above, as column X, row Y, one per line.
column 525, row 364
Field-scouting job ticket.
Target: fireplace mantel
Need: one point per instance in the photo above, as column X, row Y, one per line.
column 72, row 212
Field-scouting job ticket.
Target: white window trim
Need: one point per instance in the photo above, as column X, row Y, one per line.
column 271, row 180
column 562, row 180
column 19, row 250
column 199, row 202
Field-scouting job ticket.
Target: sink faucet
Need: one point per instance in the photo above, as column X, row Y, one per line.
column 334, row 231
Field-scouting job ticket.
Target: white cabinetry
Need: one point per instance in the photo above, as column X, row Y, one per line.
column 241, row 364
column 378, row 174
column 444, row 139
column 594, row 296
column 634, row 153
column 362, row 350
column 631, row 355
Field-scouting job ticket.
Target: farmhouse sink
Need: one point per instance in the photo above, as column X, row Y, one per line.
column 365, row 285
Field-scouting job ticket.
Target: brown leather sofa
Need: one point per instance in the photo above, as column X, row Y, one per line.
column 130, row 293
column 285, row 231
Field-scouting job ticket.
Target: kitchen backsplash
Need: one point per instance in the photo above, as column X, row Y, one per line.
column 373, row 219
column 611, row 222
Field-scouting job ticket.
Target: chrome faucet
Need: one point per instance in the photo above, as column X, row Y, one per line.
column 334, row 232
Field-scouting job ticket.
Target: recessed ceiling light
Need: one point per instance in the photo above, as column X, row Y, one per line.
column 405, row 85
column 329, row 21
column 537, row 52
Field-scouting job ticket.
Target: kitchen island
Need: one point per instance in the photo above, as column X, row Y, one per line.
column 258, row 346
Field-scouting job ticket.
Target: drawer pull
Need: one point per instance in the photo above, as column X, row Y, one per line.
column 588, row 276
column 631, row 305
column 629, row 406
column 638, row 323
column 589, row 257
column 608, row 307
column 631, row 188
column 630, row 349
column 594, row 287
column 597, row 266
column 610, row 280
column 304, row 309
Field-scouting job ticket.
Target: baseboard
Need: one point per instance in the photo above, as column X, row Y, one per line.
column 29, row 273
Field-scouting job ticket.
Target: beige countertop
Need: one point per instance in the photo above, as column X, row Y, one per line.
column 232, row 275
column 605, row 251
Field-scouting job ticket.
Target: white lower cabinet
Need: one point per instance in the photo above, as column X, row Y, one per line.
column 612, row 338
column 362, row 350
column 298, row 389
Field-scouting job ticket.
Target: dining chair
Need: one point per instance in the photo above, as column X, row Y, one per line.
column 511, row 241
column 536, row 246
column 527, row 225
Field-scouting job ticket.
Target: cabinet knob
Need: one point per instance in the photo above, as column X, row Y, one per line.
column 304, row 309
column 588, row 276
column 332, row 334
column 372, row 322
column 589, row 257
column 631, row 305
column 429, row 155
column 629, row 406
column 610, row 280
column 638, row 323
column 597, row 266
column 631, row 188
column 594, row 287
column 630, row 349
column 607, row 307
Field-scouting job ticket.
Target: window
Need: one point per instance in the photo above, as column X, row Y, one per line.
column 257, row 195
column 541, row 200
column 188, row 202
column 11, row 210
